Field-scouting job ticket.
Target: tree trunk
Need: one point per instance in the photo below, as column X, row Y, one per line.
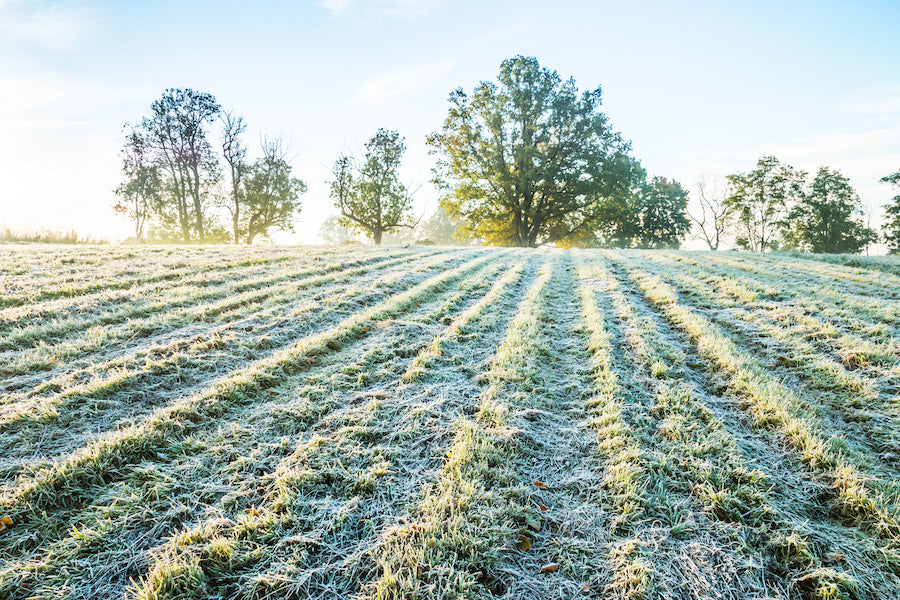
column 376, row 236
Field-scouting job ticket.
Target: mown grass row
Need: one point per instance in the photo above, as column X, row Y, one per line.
column 188, row 446
column 358, row 467
column 64, row 483
column 861, row 500
column 264, row 315
column 873, row 308
column 711, row 455
column 841, row 397
column 92, row 406
column 192, row 303
column 833, row 324
column 106, row 298
column 468, row 517
column 102, row 281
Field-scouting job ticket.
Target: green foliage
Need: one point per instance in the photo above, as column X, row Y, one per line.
column 826, row 219
column 140, row 193
column 759, row 201
column 174, row 136
column 440, row 229
column 661, row 218
column 371, row 197
column 530, row 160
column 891, row 226
column 271, row 195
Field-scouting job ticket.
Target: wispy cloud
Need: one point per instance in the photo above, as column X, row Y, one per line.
column 410, row 8
column 397, row 83
column 394, row 8
column 50, row 25
column 335, row 7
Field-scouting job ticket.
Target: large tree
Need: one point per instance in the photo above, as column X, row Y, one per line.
column 139, row 194
column 891, row 226
column 370, row 197
column 827, row 218
column 760, row 199
column 529, row 160
column 175, row 133
column 271, row 195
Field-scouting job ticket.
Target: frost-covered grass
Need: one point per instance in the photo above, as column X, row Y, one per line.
column 224, row 422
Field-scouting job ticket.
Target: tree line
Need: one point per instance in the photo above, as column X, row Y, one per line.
column 528, row 160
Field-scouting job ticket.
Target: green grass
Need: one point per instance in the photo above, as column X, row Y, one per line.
column 379, row 423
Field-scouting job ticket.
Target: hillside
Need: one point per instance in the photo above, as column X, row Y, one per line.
column 229, row 422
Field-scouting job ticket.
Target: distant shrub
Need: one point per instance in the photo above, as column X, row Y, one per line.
column 46, row 236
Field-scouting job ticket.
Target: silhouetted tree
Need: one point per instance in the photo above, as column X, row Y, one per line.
column 235, row 154
column 139, row 194
column 712, row 218
column 175, row 135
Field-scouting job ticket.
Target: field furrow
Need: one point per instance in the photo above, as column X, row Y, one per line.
column 854, row 399
column 861, row 498
column 34, row 348
column 299, row 404
column 230, row 423
column 34, row 430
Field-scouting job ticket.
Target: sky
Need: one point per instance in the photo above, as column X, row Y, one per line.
column 702, row 89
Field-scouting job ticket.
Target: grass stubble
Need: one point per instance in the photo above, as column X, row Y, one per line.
column 444, row 424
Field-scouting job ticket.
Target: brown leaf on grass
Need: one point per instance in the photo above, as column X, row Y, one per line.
column 524, row 543
column 549, row 568
column 5, row 521
column 543, row 508
column 585, row 587
column 541, row 485
column 833, row 558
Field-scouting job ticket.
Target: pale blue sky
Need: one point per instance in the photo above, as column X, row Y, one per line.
column 701, row 88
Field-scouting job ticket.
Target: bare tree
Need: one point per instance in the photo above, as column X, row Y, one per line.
column 712, row 219
column 235, row 154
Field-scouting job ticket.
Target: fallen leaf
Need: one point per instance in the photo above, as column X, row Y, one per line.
column 6, row 520
column 834, row 558
column 541, row 485
column 524, row 543
column 585, row 587
column 543, row 507
column 550, row 568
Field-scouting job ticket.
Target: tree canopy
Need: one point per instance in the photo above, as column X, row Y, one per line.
column 891, row 227
column 530, row 160
column 176, row 135
column 826, row 219
column 271, row 195
column 370, row 197
column 759, row 200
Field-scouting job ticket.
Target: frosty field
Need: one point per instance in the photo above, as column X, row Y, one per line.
column 227, row 422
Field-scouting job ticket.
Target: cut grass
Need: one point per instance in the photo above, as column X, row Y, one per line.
column 396, row 423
